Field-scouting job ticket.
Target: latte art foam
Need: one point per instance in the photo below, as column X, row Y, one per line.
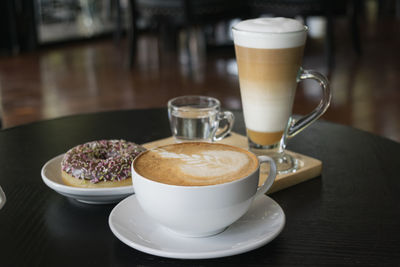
column 196, row 164
column 208, row 163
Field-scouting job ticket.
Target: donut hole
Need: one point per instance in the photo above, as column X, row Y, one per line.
column 102, row 155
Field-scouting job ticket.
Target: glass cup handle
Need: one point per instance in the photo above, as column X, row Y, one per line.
column 2, row 198
column 230, row 119
column 271, row 176
column 297, row 126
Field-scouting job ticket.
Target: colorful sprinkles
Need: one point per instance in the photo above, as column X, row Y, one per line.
column 104, row 160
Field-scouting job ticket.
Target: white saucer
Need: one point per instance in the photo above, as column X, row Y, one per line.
column 51, row 175
column 261, row 224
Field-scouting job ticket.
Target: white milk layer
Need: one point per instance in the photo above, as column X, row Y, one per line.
column 267, row 110
column 270, row 33
column 212, row 163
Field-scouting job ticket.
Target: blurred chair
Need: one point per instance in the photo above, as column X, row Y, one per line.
column 305, row 8
column 17, row 26
column 168, row 17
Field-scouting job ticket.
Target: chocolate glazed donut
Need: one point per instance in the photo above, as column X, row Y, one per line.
column 97, row 164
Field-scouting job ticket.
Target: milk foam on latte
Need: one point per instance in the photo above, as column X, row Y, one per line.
column 269, row 26
column 196, row 164
column 269, row 52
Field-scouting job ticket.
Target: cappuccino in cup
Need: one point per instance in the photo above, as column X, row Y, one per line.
column 198, row 189
column 196, row 164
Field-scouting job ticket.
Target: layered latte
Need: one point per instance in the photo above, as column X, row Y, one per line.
column 269, row 53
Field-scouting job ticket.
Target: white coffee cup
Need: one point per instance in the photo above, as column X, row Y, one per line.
column 197, row 211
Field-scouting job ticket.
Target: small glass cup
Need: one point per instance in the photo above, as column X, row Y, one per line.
column 198, row 118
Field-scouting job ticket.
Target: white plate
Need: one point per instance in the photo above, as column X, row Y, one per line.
column 51, row 175
column 261, row 224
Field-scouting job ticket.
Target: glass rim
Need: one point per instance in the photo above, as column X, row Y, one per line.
column 215, row 103
column 305, row 29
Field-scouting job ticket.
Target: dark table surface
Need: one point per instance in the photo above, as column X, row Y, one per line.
column 350, row 215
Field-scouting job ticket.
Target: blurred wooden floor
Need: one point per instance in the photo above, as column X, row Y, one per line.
column 94, row 76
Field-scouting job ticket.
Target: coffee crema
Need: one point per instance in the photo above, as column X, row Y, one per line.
column 195, row 164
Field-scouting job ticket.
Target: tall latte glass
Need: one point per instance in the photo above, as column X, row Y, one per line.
column 269, row 54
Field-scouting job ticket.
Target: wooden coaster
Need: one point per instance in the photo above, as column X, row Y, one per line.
column 308, row 167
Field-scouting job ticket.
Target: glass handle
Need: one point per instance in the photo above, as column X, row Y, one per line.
column 297, row 126
column 2, row 198
column 230, row 119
